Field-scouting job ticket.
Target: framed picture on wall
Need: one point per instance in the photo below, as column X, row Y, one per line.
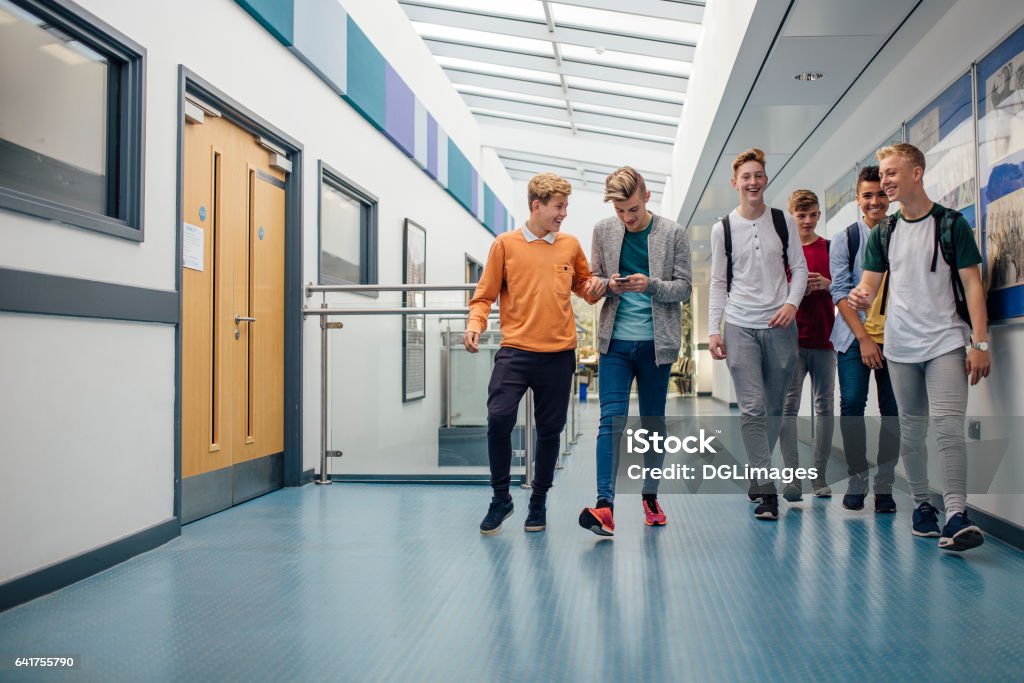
column 944, row 131
column 414, row 327
column 1001, row 167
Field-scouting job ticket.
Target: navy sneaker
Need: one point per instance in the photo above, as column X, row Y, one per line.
column 960, row 534
column 768, row 508
column 884, row 503
column 854, row 501
column 536, row 517
column 498, row 512
column 926, row 521
column 793, row 492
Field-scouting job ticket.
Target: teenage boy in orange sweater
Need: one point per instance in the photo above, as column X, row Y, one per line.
column 533, row 270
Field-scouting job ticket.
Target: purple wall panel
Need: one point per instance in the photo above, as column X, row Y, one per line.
column 400, row 111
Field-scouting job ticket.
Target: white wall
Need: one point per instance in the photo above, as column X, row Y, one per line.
column 966, row 32
column 87, row 457
column 87, row 414
column 724, row 27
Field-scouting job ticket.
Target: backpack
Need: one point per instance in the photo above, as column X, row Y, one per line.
column 853, row 244
column 781, row 229
column 943, row 243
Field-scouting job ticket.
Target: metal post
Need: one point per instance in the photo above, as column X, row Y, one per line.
column 574, row 404
column 448, row 373
column 528, row 449
column 323, row 398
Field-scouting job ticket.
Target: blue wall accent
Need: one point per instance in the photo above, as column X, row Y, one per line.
column 333, row 46
column 277, row 16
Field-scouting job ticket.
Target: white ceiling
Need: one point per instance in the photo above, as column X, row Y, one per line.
column 600, row 72
column 779, row 113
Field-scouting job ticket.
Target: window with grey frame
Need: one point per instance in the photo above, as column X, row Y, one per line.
column 71, row 118
column 348, row 231
column 474, row 271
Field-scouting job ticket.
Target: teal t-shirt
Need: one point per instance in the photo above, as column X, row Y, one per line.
column 634, row 320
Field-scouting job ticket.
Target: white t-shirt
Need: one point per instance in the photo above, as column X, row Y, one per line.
column 759, row 286
column 921, row 322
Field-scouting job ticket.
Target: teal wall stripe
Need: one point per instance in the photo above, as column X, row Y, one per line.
column 489, row 209
column 332, row 45
column 277, row 16
column 365, row 77
column 460, row 176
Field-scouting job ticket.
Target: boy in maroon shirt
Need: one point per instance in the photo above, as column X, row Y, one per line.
column 814, row 321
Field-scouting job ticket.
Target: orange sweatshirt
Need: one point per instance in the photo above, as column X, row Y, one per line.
column 534, row 280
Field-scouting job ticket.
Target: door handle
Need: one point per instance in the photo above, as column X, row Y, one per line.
column 244, row 319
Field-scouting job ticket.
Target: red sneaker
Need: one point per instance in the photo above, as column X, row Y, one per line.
column 654, row 515
column 598, row 520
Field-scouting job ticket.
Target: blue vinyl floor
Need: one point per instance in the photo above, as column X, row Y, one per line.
column 369, row 582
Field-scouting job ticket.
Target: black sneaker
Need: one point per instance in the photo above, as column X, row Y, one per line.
column 960, row 534
column 536, row 517
column 768, row 508
column 498, row 512
column 884, row 503
column 752, row 493
column 854, row 501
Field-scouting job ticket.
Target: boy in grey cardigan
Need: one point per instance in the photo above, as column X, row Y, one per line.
column 645, row 261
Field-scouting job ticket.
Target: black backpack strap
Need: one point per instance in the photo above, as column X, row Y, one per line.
column 828, row 247
column 853, row 244
column 886, row 237
column 727, row 236
column 944, row 242
column 782, row 230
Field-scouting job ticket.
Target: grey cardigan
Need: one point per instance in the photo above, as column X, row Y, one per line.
column 669, row 284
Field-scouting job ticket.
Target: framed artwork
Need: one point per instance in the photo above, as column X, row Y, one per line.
column 414, row 333
column 944, row 131
column 841, row 204
column 1000, row 77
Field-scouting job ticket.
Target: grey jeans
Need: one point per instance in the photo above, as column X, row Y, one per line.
column 820, row 364
column 761, row 363
column 935, row 388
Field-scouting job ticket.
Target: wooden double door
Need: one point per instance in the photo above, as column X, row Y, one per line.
column 232, row 432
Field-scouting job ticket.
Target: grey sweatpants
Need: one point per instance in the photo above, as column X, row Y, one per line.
column 820, row 364
column 761, row 363
column 936, row 388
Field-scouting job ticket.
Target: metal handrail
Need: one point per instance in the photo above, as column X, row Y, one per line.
column 381, row 311
column 312, row 289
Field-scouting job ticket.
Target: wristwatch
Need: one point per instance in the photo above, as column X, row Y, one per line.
column 981, row 346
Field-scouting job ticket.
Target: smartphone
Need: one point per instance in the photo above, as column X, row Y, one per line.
column 621, row 279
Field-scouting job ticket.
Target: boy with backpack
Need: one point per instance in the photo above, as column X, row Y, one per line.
column 937, row 310
column 816, row 358
column 858, row 338
column 752, row 251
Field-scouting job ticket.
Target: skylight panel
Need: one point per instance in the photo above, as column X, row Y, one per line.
column 625, row 113
column 528, row 9
column 484, row 38
column 519, row 117
column 625, row 89
column 626, row 59
column 621, row 22
column 498, row 69
column 510, row 95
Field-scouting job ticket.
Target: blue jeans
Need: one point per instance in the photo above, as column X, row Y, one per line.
column 854, row 377
column 625, row 361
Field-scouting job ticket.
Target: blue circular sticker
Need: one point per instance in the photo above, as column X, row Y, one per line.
column 261, row 232
column 202, row 213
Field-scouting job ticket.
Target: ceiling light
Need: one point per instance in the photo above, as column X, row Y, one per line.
column 809, row 76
